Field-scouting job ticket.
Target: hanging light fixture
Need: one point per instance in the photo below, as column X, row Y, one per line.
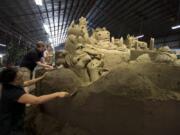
column 178, row 18
column 39, row 2
column 3, row 45
column 175, row 27
column 140, row 36
column 50, row 40
column 46, row 27
column 1, row 55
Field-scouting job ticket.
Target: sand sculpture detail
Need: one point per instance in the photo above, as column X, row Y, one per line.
column 88, row 55
column 165, row 55
column 85, row 54
column 132, row 42
column 81, row 57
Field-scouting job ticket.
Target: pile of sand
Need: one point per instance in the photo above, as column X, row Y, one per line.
column 133, row 99
column 144, row 58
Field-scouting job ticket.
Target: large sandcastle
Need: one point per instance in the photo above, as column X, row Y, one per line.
column 125, row 86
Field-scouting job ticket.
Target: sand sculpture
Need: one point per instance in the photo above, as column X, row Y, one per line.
column 83, row 59
column 133, row 42
column 115, row 94
column 151, row 45
column 90, row 55
column 161, row 55
column 101, row 39
column 165, row 55
column 85, row 54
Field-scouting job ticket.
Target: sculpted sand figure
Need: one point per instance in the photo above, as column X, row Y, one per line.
column 120, row 44
column 80, row 30
column 85, row 55
column 165, row 55
column 88, row 56
column 100, row 38
column 151, row 45
column 132, row 42
column 84, row 60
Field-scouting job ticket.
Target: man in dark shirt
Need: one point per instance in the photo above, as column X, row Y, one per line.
column 13, row 99
column 32, row 59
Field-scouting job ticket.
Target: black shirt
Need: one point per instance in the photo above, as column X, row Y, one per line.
column 30, row 59
column 11, row 112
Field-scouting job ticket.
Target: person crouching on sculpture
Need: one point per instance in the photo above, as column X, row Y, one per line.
column 13, row 100
column 32, row 59
column 48, row 55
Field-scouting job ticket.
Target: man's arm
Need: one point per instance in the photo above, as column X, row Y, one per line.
column 34, row 100
column 33, row 81
column 44, row 65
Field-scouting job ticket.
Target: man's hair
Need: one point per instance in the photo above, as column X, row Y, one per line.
column 8, row 75
column 40, row 44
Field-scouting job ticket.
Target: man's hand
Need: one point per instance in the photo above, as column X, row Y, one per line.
column 49, row 67
column 62, row 94
column 44, row 65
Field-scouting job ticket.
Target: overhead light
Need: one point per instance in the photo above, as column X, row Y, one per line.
column 39, row 2
column 140, row 36
column 50, row 39
column 2, row 45
column 1, row 55
column 175, row 27
column 46, row 27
